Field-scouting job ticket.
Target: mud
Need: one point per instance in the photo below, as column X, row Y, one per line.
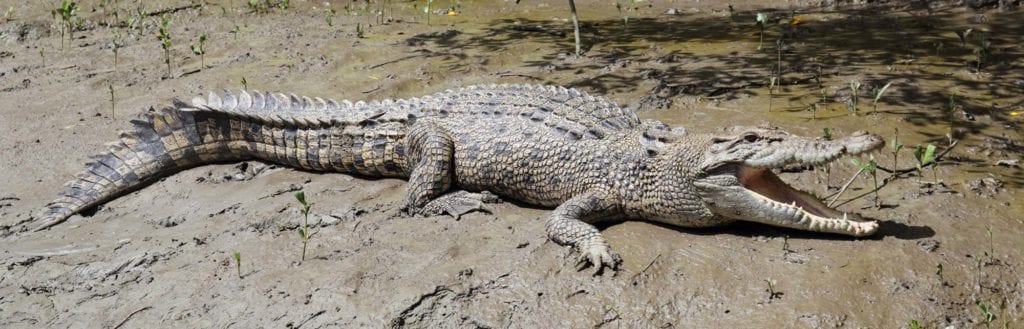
column 950, row 238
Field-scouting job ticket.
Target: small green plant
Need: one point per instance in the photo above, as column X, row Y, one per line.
column 426, row 10
column 982, row 50
column 245, row 84
column 778, row 72
column 360, row 31
column 236, row 31
column 938, row 271
column 895, row 146
column 871, row 168
column 772, row 294
column 330, row 16
column 827, row 135
column 67, row 12
column 237, row 256
column 854, row 97
column 115, row 44
column 284, row 4
column 952, row 117
column 164, row 35
column 42, row 54
column 986, row 313
column 111, row 89
column 914, row 324
column 878, row 95
column 201, row 51
column 991, row 247
column 304, row 231
column 762, row 20
column 771, row 91
column 925, row 156
column 259, row 6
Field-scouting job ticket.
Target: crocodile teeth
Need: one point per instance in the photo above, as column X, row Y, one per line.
column 244, row 100
column 214, row 100
column 198, row 102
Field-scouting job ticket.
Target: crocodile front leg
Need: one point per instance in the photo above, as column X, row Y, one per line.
column 570, row 224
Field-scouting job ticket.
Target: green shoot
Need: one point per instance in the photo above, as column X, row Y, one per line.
column 67, row 11
column 116, row 43
column 259, row 6
column 772, row 294
column 771, row 91
column 778, row 73
column 762, row 20
column 938, row 272
column 982, row 50
column 870, row 167
column 924, row 157
column 237, row 256
column 236, row 31
column 245, row 84
column 111, row 89
column 426, row 10
column 164, row 35
column 952, row 117
column 991, row 248
column 304, row 231
column 895, row 146
column 360, row 31
column 575, row 25
column 854, row 98
column 914, row 324
column 986, row 313
column 201, row 51
column 42, row 54
column 330, row 16
column 827, row 135
column 284, row 4
column 878, row 95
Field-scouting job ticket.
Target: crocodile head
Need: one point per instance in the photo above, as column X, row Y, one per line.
column 736, row 181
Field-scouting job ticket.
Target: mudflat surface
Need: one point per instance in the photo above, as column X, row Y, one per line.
column 161, row 256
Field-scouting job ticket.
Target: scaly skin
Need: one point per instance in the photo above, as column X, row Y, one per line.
column 549, row 146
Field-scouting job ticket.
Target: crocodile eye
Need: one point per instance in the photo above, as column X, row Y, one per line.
column 750, row 138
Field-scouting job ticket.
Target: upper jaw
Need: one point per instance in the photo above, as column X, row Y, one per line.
column 793, row 150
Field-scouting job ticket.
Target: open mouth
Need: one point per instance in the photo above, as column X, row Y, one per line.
column 763, row 197
column 777, row 194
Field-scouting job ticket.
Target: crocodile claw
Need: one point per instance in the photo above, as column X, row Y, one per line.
column 600, row 256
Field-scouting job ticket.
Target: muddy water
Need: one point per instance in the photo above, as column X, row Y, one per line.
column 161, row 256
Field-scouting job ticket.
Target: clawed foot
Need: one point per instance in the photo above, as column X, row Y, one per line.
column 599, row 254
column 459, row 203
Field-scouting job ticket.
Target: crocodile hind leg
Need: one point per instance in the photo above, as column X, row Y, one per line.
column 570, row 224
column 431, row 150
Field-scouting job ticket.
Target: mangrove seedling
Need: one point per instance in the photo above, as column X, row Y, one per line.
column 952, row 117
column 854, row 89
column 330, row 16
column 772, row 294
column 991, row 248
column 871, row 167
column 426, row 10
column 925, row 156
column 914, row 324
column 360, row 32
column 878, row 95
column 201, row 51
column 827, row 135
column 111, row 89
column 259, row 6
column 67, row 11
column 575, row 25
column 762, row 20
column 237, row 256
column 938, row 272
column 778, row 73
column 895, row 147
column 982, row 50
column 42, row 54
column 245, row 84
column 986, row 313
column 771, row 91
column 304, row 230
column 115, row 44
column 164, row 35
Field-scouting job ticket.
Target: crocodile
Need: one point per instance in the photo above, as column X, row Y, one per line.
column 586, row 157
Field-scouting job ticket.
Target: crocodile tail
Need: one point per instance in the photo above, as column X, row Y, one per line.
column 162, row 142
